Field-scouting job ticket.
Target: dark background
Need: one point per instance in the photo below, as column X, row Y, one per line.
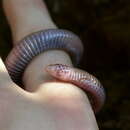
column 104, row 27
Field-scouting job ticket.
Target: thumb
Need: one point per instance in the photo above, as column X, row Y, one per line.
column 4, row 76
column 6, row 82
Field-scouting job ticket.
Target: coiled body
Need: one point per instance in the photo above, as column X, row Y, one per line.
column 34, row 44
column 83, row 80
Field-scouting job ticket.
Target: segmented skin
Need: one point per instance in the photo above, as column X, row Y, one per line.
column 82, row 79
column 36, row 43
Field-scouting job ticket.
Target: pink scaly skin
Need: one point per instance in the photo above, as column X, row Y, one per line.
column 83, row 80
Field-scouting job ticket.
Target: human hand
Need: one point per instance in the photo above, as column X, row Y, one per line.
column 52, row 105
column 43, row 109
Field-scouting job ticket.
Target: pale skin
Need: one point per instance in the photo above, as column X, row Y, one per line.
column 43, row 105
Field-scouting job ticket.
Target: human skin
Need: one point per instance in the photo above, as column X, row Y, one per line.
column 44, row 105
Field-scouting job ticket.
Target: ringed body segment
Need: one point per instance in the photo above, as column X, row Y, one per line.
column 83, row 80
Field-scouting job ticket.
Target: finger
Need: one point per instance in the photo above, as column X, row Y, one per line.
column 26, row 16
column 6, row 84
column 4, row 76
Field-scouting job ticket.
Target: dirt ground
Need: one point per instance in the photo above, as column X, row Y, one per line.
column 104, row 27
